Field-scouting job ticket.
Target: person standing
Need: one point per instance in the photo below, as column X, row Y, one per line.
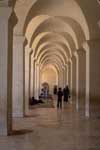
column 66, row 93
column 59, row 101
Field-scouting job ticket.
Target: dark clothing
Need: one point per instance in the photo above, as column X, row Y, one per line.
column 66, row 93
column 60, row 94
column 59, row 103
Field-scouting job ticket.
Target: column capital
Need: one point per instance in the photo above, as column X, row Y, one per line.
column 73, row 57
column 76, row 54
column 19, row 39
column 29, row 50
column 63, row 67
column 69, row 61
column 37, row 63
column 34, row 58
column 5, row 13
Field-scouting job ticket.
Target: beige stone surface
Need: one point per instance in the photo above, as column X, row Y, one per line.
column 18, row 76
column 5, row 76
column 46, row 129
column 50, row 76
column 48, row 32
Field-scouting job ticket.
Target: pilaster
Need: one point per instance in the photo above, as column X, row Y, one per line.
column 5, row 73
column 18, row 76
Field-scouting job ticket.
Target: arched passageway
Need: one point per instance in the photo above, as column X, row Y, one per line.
column 37, row 34
column 49, row 75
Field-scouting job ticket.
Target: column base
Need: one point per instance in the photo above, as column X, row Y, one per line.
column 18, row 115
column 87, row 114
column 3, row 132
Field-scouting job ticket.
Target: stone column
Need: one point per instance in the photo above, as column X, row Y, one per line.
column 73, row 78
column 26, row 80
column 66, row 74
column 64, row 82
column 71, row 86
column 77, row 79
column 39, row 81
column 5, row 72
column 31, row 77
column 36, row 80
column 71, row 81
column 18, row 77
column 70, row 77
column 94, row 77
column 58, row 78
column 87, row 101
column 69, row 74
column 61, row 78
column 82, row 79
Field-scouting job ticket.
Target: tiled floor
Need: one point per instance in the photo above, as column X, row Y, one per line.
column 52, row 129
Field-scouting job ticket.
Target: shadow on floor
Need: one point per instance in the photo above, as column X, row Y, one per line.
column 46, row 104
column 32, row 115
column 21, row 132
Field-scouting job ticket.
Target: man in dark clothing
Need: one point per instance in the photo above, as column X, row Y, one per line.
column 60, row 94
column 66, row 93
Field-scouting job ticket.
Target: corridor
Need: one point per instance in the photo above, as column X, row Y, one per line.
column 52, row 129
column 47, row 45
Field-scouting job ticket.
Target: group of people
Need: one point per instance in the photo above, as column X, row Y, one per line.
column 44, row 92
column 62, row 93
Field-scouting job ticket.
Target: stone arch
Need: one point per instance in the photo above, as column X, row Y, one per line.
column 52, row 37
column 53, row 67
column 53, row 56
column 53, row 64
column 52, row 53
column 52, row 46
column 56, row 45
column 53, row 24
column 52, row 61
column 65, row 36
column 61, row 81
column 91, row 17
column 51, row 50
column 39, row 8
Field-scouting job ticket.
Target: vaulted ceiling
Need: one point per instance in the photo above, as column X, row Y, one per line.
column 55, row 29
